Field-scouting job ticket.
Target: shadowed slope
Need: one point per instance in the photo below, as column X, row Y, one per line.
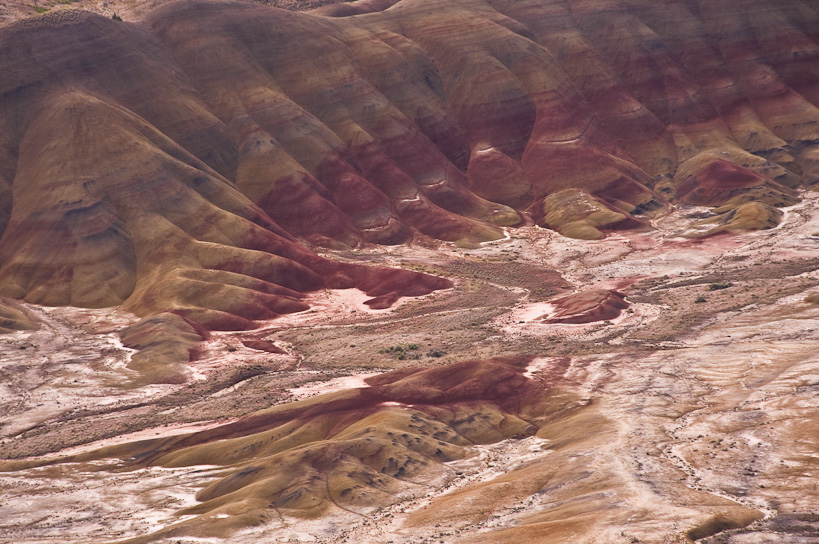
column 172, row 165
column 116, row 205
column 14, row 318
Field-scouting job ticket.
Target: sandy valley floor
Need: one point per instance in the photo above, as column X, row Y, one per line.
column 688, row 418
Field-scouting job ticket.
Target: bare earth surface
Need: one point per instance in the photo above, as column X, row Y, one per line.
column 691, row 414
column 127, row 10
column 409, row 271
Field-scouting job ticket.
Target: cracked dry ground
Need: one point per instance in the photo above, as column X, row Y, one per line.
column 677, row 420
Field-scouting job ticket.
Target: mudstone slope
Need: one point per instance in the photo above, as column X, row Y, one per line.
column 219, row 166
column 172, row 164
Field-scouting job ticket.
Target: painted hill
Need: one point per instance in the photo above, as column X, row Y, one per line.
column 353, row 450
column 187, row 162
column 216, row 165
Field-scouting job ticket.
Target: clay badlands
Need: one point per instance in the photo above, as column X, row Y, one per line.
column 409, row 271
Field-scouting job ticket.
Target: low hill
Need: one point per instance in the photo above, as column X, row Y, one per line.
column 193, row 160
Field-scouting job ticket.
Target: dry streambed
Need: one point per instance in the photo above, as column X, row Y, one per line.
column 691, row 413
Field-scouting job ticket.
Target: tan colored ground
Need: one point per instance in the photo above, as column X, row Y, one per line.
column 187, row 163
column 674, row 420
column 333, row 311
column 127, row 10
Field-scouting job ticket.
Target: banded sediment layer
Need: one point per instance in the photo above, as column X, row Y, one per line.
column 601, row 209
column 181, row 162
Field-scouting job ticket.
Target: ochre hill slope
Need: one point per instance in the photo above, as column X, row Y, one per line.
column 175, row 163
column 353, row 450
column 120, row 194
column 333, row 460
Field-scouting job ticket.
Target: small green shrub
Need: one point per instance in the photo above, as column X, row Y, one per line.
column 720, row 285
column 406, row 352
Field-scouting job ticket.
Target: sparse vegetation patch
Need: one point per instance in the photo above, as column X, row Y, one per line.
column 720, row 285
column 402, row 351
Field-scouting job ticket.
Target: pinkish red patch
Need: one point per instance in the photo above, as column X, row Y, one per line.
column 588, row 307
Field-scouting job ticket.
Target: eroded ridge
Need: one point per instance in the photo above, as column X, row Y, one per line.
column 245, row 137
